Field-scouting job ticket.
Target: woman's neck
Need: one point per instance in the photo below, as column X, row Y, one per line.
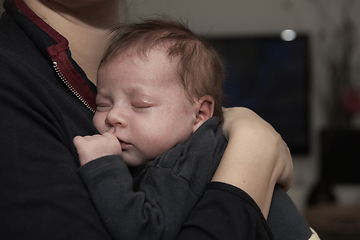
column 84, row 24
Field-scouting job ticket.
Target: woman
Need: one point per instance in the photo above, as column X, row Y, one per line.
column 47, row 98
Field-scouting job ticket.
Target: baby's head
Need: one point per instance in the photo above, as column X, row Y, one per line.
column 157, row 83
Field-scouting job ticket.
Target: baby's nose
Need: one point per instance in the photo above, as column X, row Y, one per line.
column 116, row 118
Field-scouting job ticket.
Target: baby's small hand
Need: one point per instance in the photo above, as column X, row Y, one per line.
column 92, row 147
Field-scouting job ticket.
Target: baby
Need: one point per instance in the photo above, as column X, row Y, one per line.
column 157, row 84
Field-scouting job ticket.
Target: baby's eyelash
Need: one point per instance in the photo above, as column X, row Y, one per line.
column 142, row 105
column 102, row 106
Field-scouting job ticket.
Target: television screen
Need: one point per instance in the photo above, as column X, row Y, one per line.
column 271, row 77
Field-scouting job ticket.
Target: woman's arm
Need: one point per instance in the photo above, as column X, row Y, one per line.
column 256, row 157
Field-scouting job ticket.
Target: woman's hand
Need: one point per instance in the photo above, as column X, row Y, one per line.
column 256, row 156
column 92, row 147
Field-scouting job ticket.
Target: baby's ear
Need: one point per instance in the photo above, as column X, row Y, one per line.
column 205, row 110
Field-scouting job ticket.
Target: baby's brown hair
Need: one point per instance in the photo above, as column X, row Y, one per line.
column 199, row 66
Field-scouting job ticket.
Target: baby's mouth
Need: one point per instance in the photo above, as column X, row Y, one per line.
column 124, row 145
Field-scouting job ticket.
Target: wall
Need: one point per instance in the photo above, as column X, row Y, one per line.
column 229, row 16
column 242, row 17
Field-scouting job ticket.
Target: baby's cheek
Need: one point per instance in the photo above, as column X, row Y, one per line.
column 158, row 146
column 99, row 122
column 157, row 140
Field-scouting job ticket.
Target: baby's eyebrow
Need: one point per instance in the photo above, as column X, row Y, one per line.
column 101, row 96
column 102, row 91
column 142, row 97
column 139, row 91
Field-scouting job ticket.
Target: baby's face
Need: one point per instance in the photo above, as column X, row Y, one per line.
column 143, row 103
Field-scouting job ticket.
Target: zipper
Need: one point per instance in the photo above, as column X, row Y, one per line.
column 64, row 80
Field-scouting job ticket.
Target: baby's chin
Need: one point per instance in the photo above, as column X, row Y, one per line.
column 133, row 161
